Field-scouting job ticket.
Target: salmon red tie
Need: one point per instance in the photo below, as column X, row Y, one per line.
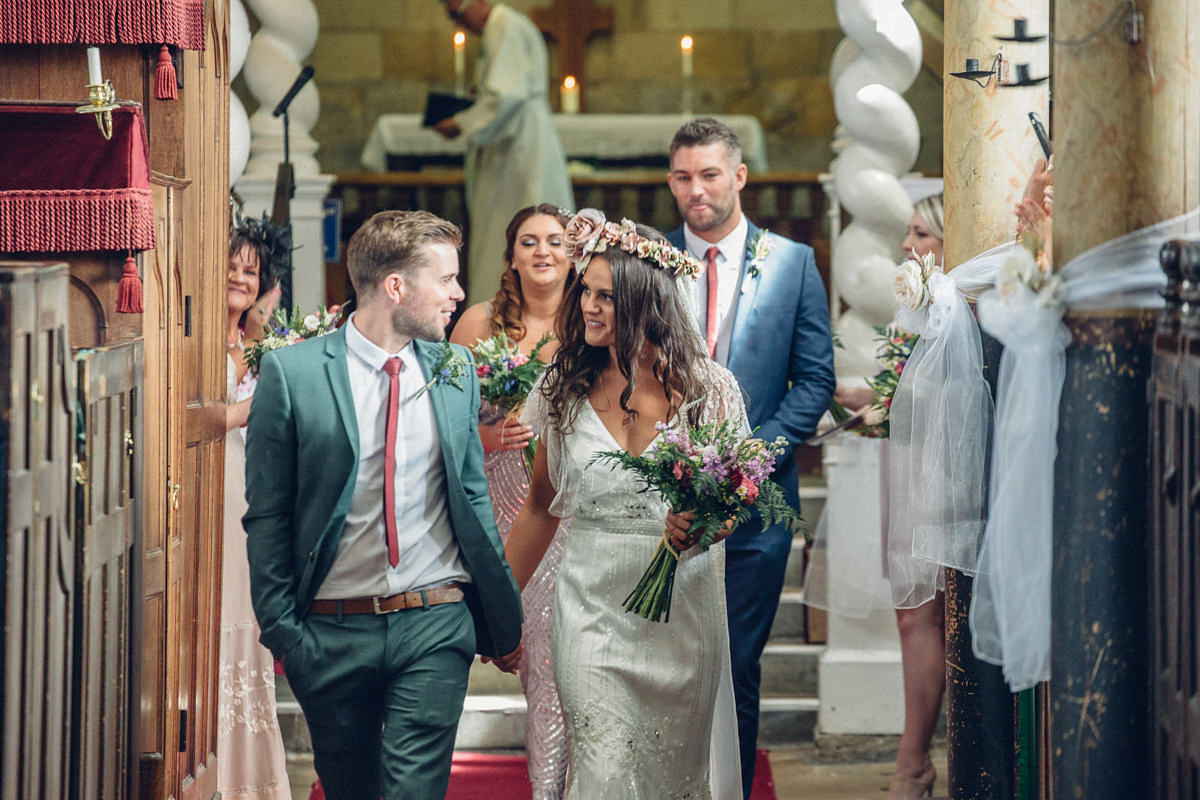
column 710, row 277
column 392, row 367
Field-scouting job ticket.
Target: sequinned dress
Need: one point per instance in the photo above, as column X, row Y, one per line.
column 545, row 737
column 251, row 762
column 648, row 706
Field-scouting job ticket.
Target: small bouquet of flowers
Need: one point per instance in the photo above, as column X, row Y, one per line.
column 710, row 470
column 895, row 346
column 506, row 376
column 284, row 330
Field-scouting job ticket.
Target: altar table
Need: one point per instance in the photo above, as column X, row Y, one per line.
column 614, row 140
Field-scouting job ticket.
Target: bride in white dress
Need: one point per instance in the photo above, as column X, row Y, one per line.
column 648, row 706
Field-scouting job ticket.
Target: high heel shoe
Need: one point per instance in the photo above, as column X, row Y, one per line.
column 911, row 787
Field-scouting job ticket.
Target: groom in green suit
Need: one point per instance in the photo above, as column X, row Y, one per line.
column 376, row 571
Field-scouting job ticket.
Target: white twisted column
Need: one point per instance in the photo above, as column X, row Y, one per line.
column 288, row 30
column 239, row 122
column 876, row 142
column 879, row 143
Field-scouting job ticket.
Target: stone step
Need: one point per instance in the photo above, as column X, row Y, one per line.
column 791, row 621
column 784, row 721
column 790, row 670
column 491, row 722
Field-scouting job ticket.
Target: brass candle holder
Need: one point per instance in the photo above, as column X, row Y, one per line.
column 102, row 99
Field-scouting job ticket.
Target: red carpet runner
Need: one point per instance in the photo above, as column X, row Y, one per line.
column 478, row 775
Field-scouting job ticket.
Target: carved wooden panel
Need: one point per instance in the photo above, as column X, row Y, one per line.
column 1175, row 550
column 38, row 551
column 107, row 523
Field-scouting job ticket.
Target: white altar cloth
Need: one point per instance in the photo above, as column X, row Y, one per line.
column 583, row 136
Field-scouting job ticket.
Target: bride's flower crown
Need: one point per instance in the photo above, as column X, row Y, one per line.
column 588, row 233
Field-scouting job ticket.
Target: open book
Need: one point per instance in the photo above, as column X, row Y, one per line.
column 439, row 105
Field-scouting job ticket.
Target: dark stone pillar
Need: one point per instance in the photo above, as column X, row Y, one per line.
column 979, row 709
column 1099, row 686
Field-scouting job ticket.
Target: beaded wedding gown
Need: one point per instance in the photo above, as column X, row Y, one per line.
column 251, row 762
column 648, row 705
column 545, row 736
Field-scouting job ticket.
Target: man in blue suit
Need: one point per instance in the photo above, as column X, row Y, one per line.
column 375, row 569
column 765, row 316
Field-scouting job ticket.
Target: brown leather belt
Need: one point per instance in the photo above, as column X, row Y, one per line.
column 422, row 598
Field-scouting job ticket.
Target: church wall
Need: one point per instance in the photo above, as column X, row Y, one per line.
column 768, row 58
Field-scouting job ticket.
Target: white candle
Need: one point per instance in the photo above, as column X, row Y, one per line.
column 685, row 47
column 570, row 95
column 93, row 58
column 460, row 62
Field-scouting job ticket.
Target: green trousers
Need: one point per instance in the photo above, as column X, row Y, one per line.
column 382, row 696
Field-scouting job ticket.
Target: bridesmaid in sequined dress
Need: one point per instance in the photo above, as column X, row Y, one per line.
column 524, row 309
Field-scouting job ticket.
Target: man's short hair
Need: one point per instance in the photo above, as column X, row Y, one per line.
column 394, row 241
column 705, row 131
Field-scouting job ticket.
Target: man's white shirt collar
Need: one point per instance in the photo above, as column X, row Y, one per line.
column 732, row 247
column 371, row 354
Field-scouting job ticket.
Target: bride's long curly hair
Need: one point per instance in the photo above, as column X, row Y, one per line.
column 648, row 309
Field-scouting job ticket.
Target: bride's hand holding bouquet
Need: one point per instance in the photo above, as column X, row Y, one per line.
column 714, row 480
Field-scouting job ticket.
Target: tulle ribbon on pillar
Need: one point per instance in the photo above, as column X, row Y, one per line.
column 941, row 416
column 1010, row 606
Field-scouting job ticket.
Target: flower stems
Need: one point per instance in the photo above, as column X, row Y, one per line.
column 651, row 598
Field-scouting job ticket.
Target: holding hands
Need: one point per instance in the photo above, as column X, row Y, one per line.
column 506, row 434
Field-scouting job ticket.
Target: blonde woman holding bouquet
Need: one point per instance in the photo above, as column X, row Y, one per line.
column 531, row 290
column 648, row 705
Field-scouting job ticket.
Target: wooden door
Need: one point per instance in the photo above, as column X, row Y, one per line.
column 184, row 296
column 106, row 524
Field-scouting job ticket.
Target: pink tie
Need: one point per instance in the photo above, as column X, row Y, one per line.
column 392, row 367
column 710, row 276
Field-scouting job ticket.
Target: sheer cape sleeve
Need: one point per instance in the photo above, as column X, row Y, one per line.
column 551, row 439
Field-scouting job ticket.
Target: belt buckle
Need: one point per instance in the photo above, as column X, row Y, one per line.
column 381, row 611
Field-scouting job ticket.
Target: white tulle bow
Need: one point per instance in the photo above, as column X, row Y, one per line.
column 1010, row 606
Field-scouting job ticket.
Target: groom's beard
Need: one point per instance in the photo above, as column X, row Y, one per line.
column 410, row 323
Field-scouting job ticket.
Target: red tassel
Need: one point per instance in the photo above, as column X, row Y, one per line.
column 165, row 87
column 129, row 293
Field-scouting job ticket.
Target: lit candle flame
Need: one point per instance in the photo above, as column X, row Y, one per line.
column 685, row 44
column 460, row 40
column 569, row 82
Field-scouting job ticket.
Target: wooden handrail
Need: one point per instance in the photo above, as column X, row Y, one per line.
column 454, row 177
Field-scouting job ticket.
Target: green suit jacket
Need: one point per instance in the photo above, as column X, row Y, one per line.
column 301, row 465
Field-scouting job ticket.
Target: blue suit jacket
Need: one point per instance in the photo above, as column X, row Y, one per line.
column 780, row 349
column 301, row 466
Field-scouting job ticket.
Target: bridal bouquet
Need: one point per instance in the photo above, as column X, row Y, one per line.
column 284, row 330
column 712, row 471
column 895, row 346
column 506, row 376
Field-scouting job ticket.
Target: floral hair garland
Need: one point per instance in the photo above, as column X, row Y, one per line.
column 589, row 233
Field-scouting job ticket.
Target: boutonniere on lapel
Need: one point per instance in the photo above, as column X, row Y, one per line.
column 759, row 249
column 450, row 367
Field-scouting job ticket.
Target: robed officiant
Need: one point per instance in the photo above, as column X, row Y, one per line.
column 514, row 157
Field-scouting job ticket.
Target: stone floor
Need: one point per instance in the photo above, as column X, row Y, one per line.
column 799, row 775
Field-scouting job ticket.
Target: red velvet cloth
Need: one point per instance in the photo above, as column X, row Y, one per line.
column 177, row 22
column 64, row 187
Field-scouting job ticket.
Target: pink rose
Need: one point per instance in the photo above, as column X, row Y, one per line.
column 747, row 489
column 483, row 370
column 628, row 236
column 519, row 359
column 583, row 228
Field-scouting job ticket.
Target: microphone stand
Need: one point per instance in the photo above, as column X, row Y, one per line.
column 285, row 190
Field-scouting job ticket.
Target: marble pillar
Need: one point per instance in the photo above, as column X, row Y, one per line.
column 286, row 35
column 1126, row 137
column 989, row 152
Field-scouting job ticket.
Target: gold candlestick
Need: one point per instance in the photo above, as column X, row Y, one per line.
column 102, row 99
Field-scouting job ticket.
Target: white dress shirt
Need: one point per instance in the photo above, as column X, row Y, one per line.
column 429, row 554
column 729, row 276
